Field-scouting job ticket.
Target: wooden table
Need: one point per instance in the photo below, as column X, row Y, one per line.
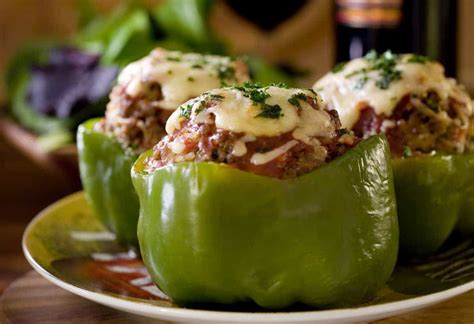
column 25, row 189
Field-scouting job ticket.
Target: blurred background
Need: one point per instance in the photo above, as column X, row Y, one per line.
column 295, row 41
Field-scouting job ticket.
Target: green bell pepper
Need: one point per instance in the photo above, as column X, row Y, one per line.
column 210, row 233
column 105, row 173
column 434, row 196
column 465, row 224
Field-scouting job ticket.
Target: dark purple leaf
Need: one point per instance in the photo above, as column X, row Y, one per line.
column 70, row 80
column 73, row 57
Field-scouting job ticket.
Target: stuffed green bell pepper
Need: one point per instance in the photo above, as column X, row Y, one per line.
column 426, row 118
column 146, row 94
column 256, row 195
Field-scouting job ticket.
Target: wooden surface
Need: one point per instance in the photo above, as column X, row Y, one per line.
column 25, row 189
column 57, row 164
column 32, row 299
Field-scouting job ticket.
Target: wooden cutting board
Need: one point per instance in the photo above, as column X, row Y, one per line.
column 32, row 299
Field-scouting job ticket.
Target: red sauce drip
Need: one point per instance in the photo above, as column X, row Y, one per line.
column 369, row 122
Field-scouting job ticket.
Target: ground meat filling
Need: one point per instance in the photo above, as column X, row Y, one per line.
column 470, row 135
column 139, row 106
column 206, row 142
column 419, row 125
column 406, row 96
column 136, row 122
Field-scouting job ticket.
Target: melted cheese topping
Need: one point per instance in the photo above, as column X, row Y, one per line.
column 235, row 112
column 262, row 158
column 240, row 148
column 181, row 76
column 341, row 93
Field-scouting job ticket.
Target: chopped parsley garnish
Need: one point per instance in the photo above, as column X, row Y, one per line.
column 174, row 58
column 416, row 58
column 386, row 66
column 432, row 103
column 202, row 103
column 216, row 97
column 170, row 71
column 387, row 77
column 342, row 131
column 254, row 91
column 270, row 111
column 360, row 82
column 258, row 95
column 196, row 66
column 295, row 99
column 338, row 67
column 201, row 107
column 225, row 72
column 190, row 79
column 186, row 110
column 406, row 151
column 372, row 55
column 279, row 85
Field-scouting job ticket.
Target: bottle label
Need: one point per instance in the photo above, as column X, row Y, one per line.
column 369, row 13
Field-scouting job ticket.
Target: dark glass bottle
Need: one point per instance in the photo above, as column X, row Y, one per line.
column 426, row 27
column 432, row 29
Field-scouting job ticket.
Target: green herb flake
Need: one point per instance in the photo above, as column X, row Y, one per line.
column 225, row 72
column 338, row 67
column 170, row 72
column 356, row 72
column 186, row 110
column 406, row 152
column 371, row 56
column 415, row 58
column 432, row 103
column 201, row 107
column 388, row 77
column 295, row 99
column 342, row 131
column 279, row 85
column 196, row 66
column 258, row 95
column 270, row 111
column 360, row 82
column 216, row 97
column 254, row 91
column 190, row 79
column 385, row 64
column 173, row 58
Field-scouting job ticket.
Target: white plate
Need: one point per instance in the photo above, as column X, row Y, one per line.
column 71, row 215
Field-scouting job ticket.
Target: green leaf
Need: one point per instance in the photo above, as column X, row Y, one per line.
column 122, row 37
column 266, row 74
column 187, row 21
column 131, row 40
column 87, row 12
column 52, row 141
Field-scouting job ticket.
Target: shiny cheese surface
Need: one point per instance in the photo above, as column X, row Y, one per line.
column 238, row 113
column 341, row 92
column 180, row 76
